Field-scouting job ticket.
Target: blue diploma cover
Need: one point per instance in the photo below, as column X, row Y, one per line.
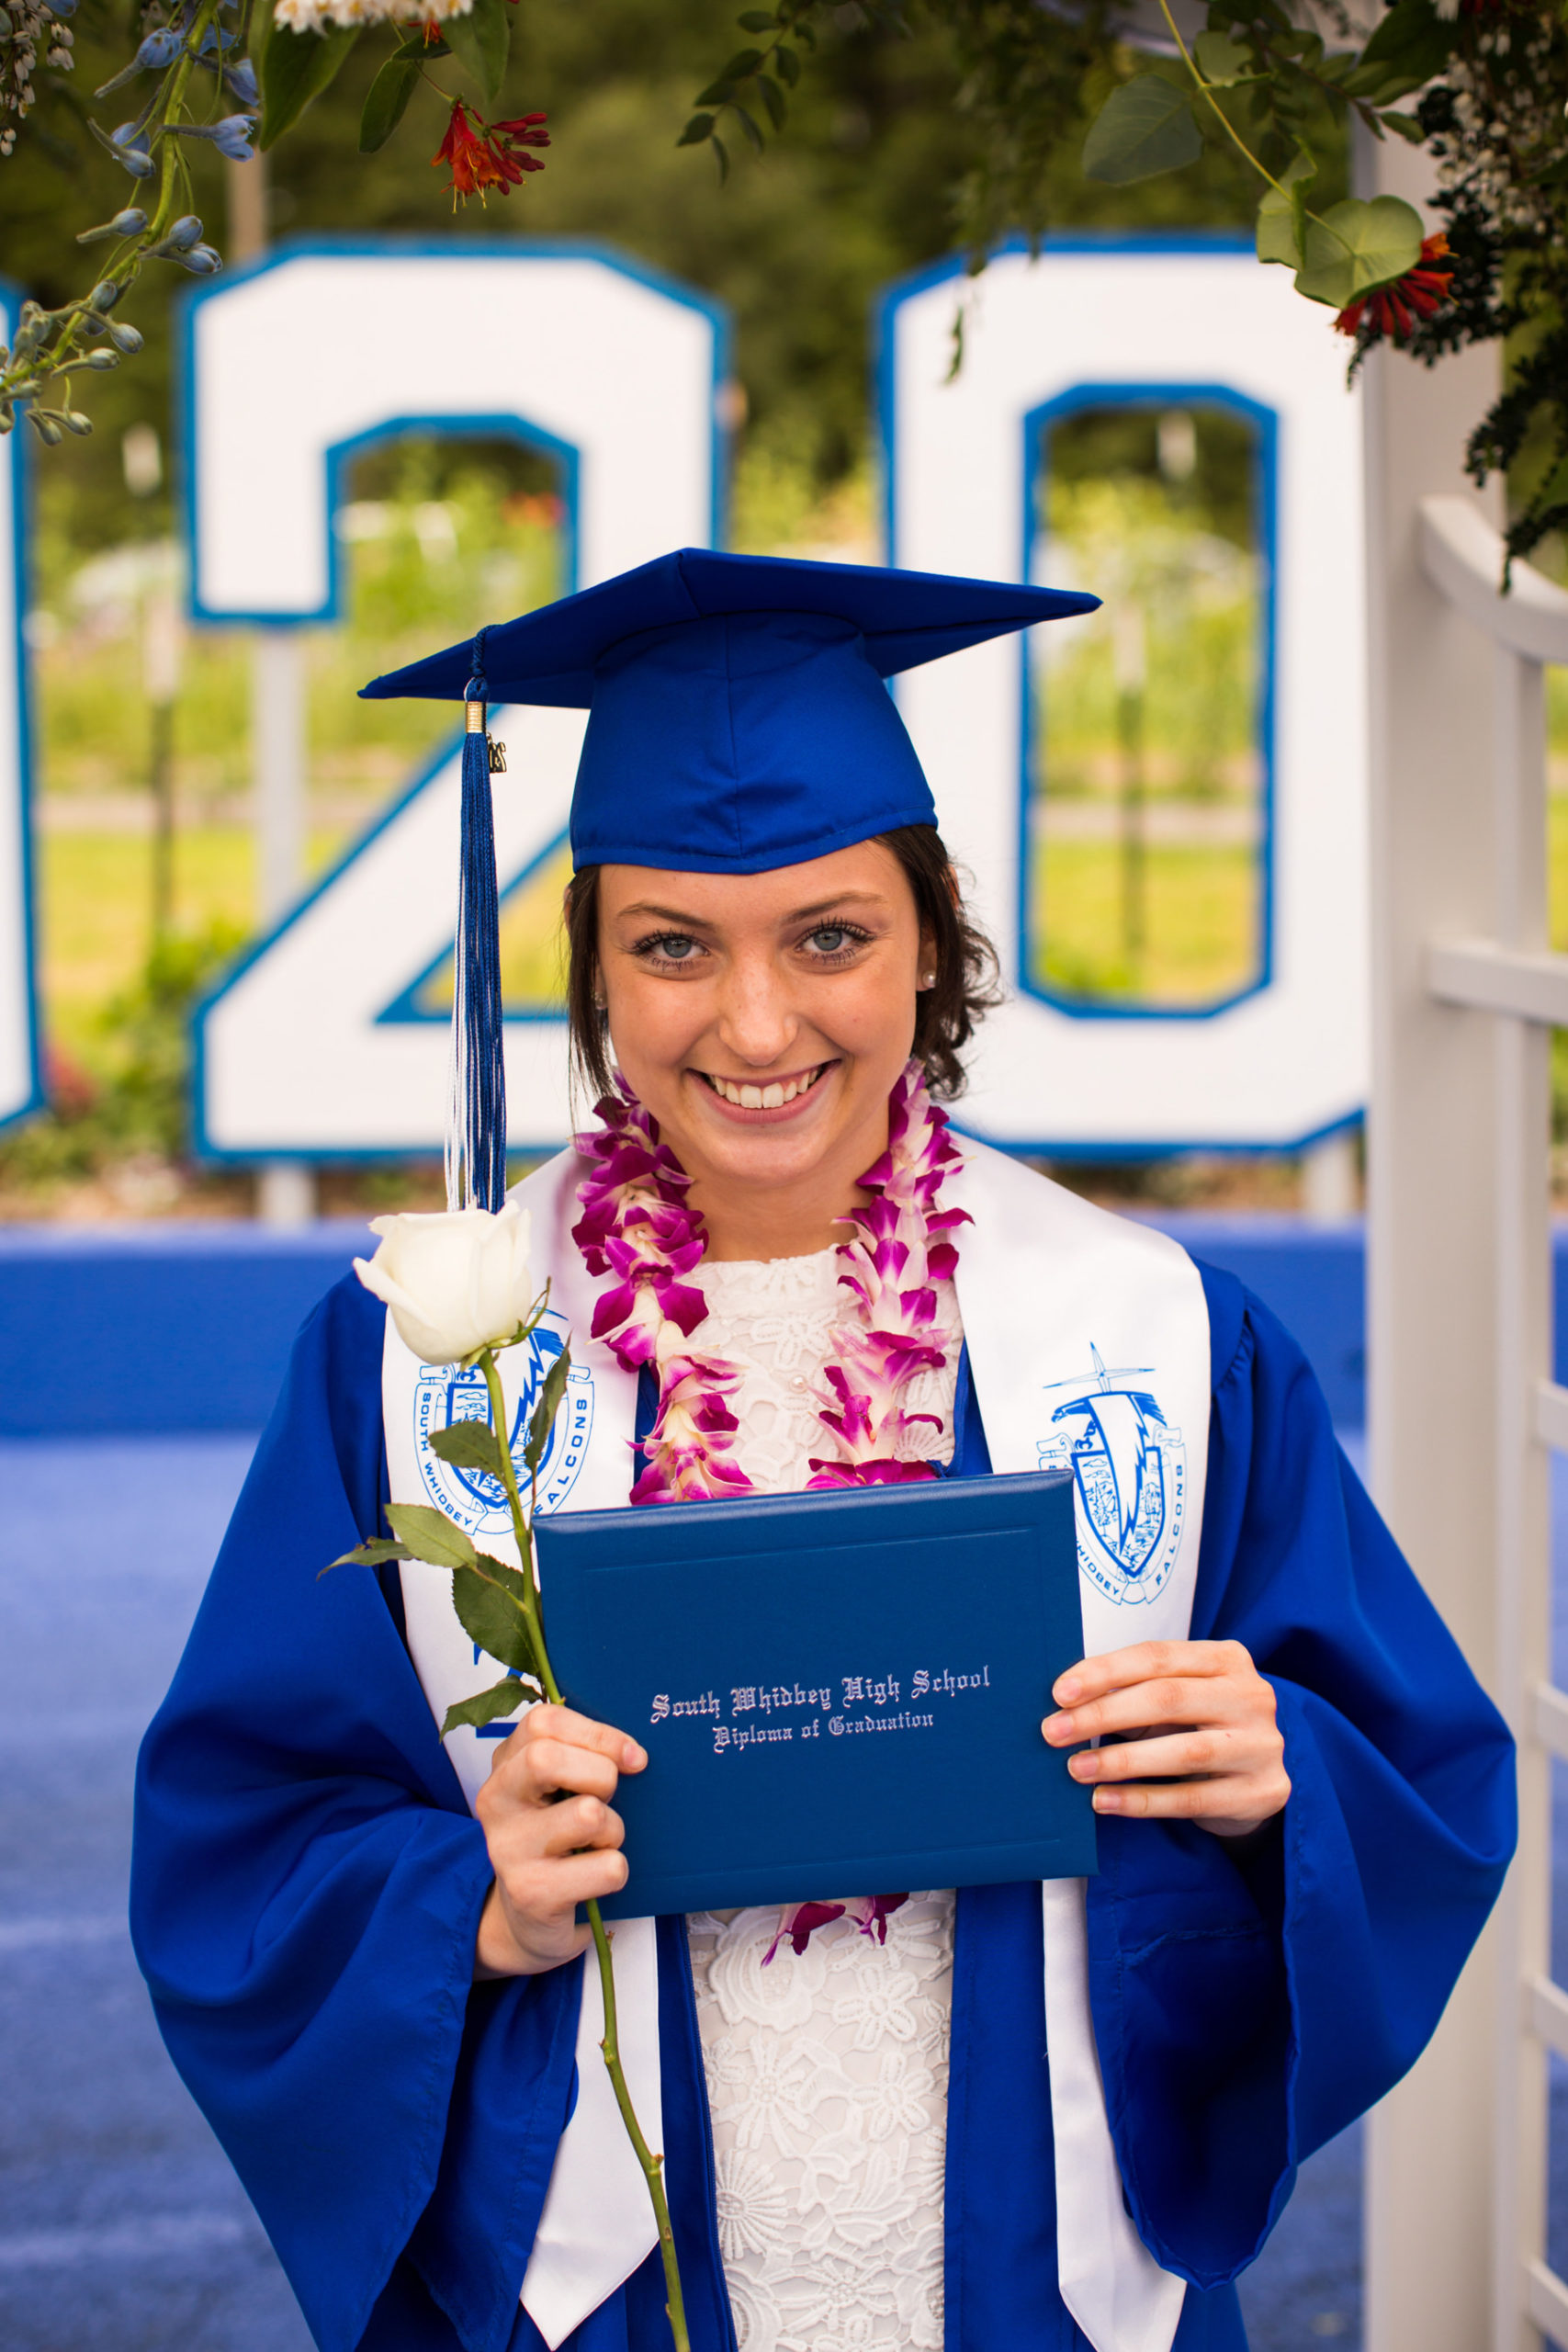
column 839, row 1694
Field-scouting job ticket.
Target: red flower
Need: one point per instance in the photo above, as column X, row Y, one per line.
column 481, row 155
column 1387, row 309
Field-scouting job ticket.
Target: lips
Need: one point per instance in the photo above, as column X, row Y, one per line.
column 772, row 1097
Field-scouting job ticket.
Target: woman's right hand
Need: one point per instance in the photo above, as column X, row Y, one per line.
column 554, row 1838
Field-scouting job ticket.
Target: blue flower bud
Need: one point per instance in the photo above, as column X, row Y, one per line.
column 105, row 296
column 183, row 233
column 160, row 48
column 125, row 338
column 129, row 224
column 202, row 261
column 135, row 160
column 98, row 360
column 232, row 137
column 242, row 80
column 62, row 9
column 212, row 38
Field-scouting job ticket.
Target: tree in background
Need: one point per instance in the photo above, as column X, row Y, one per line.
column 954, row 124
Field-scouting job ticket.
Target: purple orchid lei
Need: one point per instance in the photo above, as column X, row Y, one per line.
column 637, row 1226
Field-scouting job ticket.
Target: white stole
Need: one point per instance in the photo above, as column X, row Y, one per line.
column 1089, row 1347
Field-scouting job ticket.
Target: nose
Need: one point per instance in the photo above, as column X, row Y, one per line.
column 757, row 1021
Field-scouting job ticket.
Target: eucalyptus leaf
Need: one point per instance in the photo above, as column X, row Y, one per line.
column 699, row 128
column 386, row 102
column 292, row 69
column 786, row 65
column 1143, row 127
column 721, row 156
column 542, row 1420
column 430, row 1535
column 491, row 1612
column 1221, row 60
column 484, row 1706
column 469, row 1445
column 1358, row 245
column 772, row 99
column 481, row 42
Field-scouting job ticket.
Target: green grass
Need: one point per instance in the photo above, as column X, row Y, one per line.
column 1201, row 938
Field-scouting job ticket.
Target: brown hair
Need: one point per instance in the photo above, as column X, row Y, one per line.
column 945, row 1015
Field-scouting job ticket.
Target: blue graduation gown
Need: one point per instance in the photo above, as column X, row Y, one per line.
column 308, row 1882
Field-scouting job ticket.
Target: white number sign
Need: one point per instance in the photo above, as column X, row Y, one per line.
column 313, row 1048
column 1142, row 321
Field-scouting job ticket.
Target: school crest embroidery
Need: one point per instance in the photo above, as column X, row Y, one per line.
column 444, row 1395
column 1129, row 1467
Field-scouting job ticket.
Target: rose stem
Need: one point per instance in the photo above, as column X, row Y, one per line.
column 652, row 2166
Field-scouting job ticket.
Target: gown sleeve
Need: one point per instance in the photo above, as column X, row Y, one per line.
column 306, row 1888
column 1248, row 2005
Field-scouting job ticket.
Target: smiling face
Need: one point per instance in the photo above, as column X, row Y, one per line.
column 762, row 1020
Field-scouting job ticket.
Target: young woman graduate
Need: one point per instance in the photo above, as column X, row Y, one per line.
column 1009, row 2117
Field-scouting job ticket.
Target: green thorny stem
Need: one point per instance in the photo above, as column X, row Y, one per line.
column 652, row 2166
column 27, row 372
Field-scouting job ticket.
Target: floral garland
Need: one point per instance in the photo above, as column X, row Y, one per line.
column 638, row 1225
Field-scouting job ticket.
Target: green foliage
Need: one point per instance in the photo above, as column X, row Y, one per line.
column 1145, row 127
column 485, row 1706
column 387, row 101
column 136, row 1107
column 375, row 1553
column 292, row 69
column 543, row 1417
column 1357, row 245
column 469, row 1445
column 493, row 1604
column 481, row 42
column 430, row 1535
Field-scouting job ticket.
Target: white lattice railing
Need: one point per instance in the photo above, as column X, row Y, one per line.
column 1514, row 977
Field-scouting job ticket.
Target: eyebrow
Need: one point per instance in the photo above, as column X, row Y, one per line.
column 643, row 909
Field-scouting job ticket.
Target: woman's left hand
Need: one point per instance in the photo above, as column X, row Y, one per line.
column 1193, row 1735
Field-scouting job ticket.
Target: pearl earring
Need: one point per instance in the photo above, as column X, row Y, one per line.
column 928, row 979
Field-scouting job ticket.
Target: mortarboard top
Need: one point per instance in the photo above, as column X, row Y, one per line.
column 738, row 718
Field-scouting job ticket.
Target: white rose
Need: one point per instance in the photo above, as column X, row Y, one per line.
column 454, row 1283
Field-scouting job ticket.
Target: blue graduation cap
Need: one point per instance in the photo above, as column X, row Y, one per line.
column 738, row 717
column 738, row 721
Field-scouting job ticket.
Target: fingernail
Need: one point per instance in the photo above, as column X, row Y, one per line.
column 635, row 1756
column 1084, row 1768
column 1107, row 1800
column 1067, row 1691
column 1059, row 1729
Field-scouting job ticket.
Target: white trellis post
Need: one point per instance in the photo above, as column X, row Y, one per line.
column 1460, row 1312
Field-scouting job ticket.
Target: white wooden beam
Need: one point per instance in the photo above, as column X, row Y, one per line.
column 1479, row 973
column 1463, row 554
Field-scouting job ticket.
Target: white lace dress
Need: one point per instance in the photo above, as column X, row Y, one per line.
column 827, row 2074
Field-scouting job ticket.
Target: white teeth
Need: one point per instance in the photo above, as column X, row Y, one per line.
column 763, row 1098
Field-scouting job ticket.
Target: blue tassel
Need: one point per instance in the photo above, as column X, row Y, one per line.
column 476, row 1140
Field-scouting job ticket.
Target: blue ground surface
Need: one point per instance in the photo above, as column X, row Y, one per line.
column 121, row 2227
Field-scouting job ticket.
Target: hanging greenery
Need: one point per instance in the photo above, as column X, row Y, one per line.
column 1481, row 85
